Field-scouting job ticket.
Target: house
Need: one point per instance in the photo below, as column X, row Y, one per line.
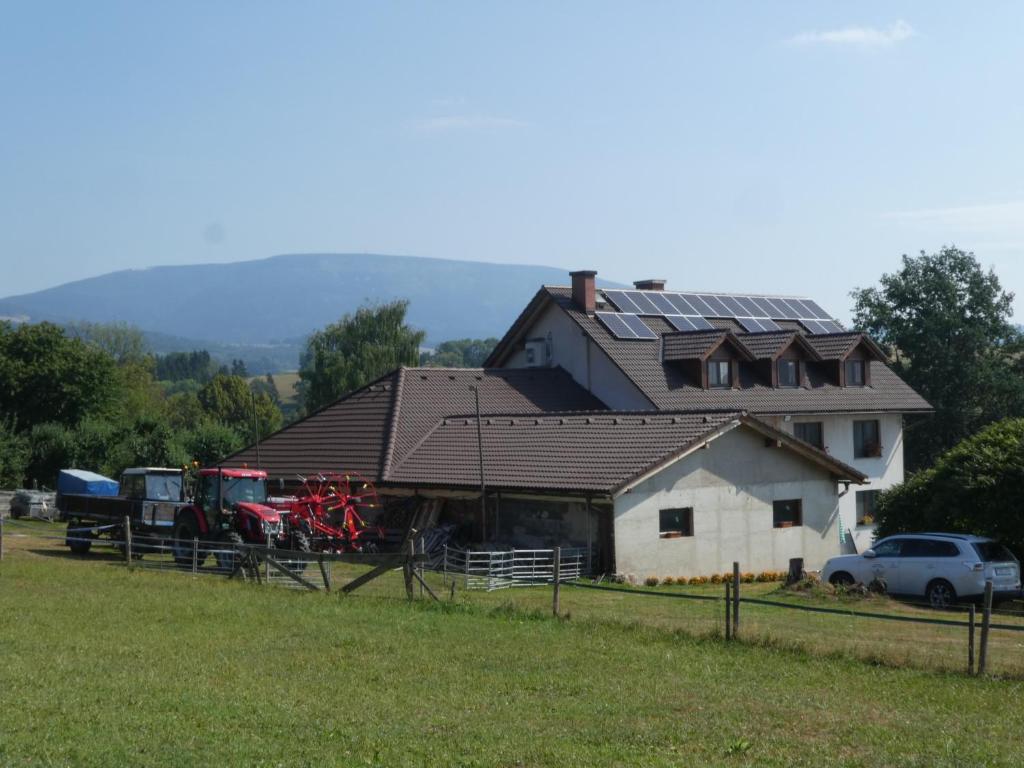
column 782, row 360
column 666, row 444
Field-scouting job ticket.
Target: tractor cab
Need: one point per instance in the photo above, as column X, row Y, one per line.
column 237, row 499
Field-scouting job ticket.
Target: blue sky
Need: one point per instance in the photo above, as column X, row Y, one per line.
column 779, row 147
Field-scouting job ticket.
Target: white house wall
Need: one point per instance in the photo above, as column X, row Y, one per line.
column 883, row 471
column 569, row 349
column 730, row 486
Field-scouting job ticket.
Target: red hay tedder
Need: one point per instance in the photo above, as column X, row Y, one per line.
column 326, row 511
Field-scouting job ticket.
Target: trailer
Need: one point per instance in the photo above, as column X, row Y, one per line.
column 95, row 506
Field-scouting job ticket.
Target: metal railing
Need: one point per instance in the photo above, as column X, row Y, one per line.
column 501, row 569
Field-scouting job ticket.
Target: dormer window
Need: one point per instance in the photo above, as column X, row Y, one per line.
column 719, row 374
column 789, row 373
column 855, row 376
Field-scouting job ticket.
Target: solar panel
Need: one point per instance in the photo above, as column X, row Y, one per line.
column 755, row 314
column 639, row 327
column 625, row 326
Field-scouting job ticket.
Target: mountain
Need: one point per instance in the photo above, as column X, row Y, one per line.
column 277, row 300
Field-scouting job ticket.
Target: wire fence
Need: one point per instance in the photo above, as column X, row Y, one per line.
column 875, row 629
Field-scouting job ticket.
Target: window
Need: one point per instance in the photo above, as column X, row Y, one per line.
column 888, row 548
column 133, row 486
column 810, row 432
column 867, row 502
column 929, row 548
column 675, row 523
column 719, row 373
column 789, row 371
column 866, row 442
column 855, row 373
column 993, row 551
column 787, row 514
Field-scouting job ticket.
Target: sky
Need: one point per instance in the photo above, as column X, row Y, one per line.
column 792, row 148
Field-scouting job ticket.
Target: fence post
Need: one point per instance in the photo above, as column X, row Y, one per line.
column 419, row 566
column 986, row 618
column 970, row 639
column 195, row 555
column 465, row 555
column 735, row 599
column 128, row 540
column 266, row 564
column 407, row 571
column 325, row 572
column 557, row 573
column 444, row 566
column 1, row 536
column 728, row 612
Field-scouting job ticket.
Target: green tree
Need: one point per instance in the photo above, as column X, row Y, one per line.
column 125, row 343
column 229, row 400
column 238, row 369
column 976, row 487
column 208, row 442
column 266, row 386
column 354, row 351
column 47, row 377
column 459, row 353
column 945, row 323
column 14, row 455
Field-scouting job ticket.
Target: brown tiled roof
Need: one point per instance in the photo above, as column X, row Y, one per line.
column 668, row 388
column 376, row 426
column 598, row 452
column 836, row 346
column 696, row 345
column 349, row 435
column 767, row 346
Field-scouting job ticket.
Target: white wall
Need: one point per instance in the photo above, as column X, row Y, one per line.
column 569, row 350
column 883, row 472
column 731, row 486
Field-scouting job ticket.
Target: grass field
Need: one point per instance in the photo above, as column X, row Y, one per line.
column 108, row 667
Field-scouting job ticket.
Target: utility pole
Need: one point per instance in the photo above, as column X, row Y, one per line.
column 480, row 455
column 256, row 430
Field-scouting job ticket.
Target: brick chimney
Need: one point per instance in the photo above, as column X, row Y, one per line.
column 583, row 295
column 649, row 285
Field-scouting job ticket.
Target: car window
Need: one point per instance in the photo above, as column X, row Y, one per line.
column 993, row 551
column 888, row 548
column 929, row 548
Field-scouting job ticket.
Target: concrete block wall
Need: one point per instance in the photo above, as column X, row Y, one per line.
column 731, row 486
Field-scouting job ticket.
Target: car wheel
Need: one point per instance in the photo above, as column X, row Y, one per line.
column 940, row 594
column 841, row 579
column 78, row 539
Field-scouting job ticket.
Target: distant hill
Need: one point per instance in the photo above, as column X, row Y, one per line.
column 278, row 301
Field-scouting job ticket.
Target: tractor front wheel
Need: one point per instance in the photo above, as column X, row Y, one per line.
column 229, row 553
column 300, row 543
column 186, row 531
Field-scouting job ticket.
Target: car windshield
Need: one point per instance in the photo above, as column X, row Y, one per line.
column 163, row 487
column 993, row 551
column 252, row 490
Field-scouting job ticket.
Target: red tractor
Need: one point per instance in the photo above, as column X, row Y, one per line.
column 230, row 506
column 326, row 513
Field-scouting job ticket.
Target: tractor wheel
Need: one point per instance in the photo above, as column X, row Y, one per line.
column 300, row 543
column 231, row 551
column 185, row 531
column 79, row 541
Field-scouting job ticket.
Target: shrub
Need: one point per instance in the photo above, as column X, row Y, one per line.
column 698, row 580
column 716, row 578
column 651, row 581
column 747, row 578
column 668, row 581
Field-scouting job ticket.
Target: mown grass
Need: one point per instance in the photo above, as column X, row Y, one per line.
column 106, row 667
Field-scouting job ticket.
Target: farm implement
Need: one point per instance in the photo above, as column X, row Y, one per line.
column 326, row 514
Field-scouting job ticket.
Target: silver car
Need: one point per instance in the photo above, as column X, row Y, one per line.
column 943, row 568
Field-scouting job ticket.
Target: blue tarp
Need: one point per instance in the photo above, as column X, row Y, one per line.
column 85, row 482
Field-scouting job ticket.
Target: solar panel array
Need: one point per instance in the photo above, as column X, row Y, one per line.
column 756, row 314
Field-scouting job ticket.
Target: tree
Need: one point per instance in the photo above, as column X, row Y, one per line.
column 945, row 323
column 459, row 353
column 14, row 452
column 266, row 386
column 125, row 343
column 47, row 377
column 238, row 368
column 208, row 442
column 229, row 400
column 181, row 366
column 977, row 487
column 354, row 351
